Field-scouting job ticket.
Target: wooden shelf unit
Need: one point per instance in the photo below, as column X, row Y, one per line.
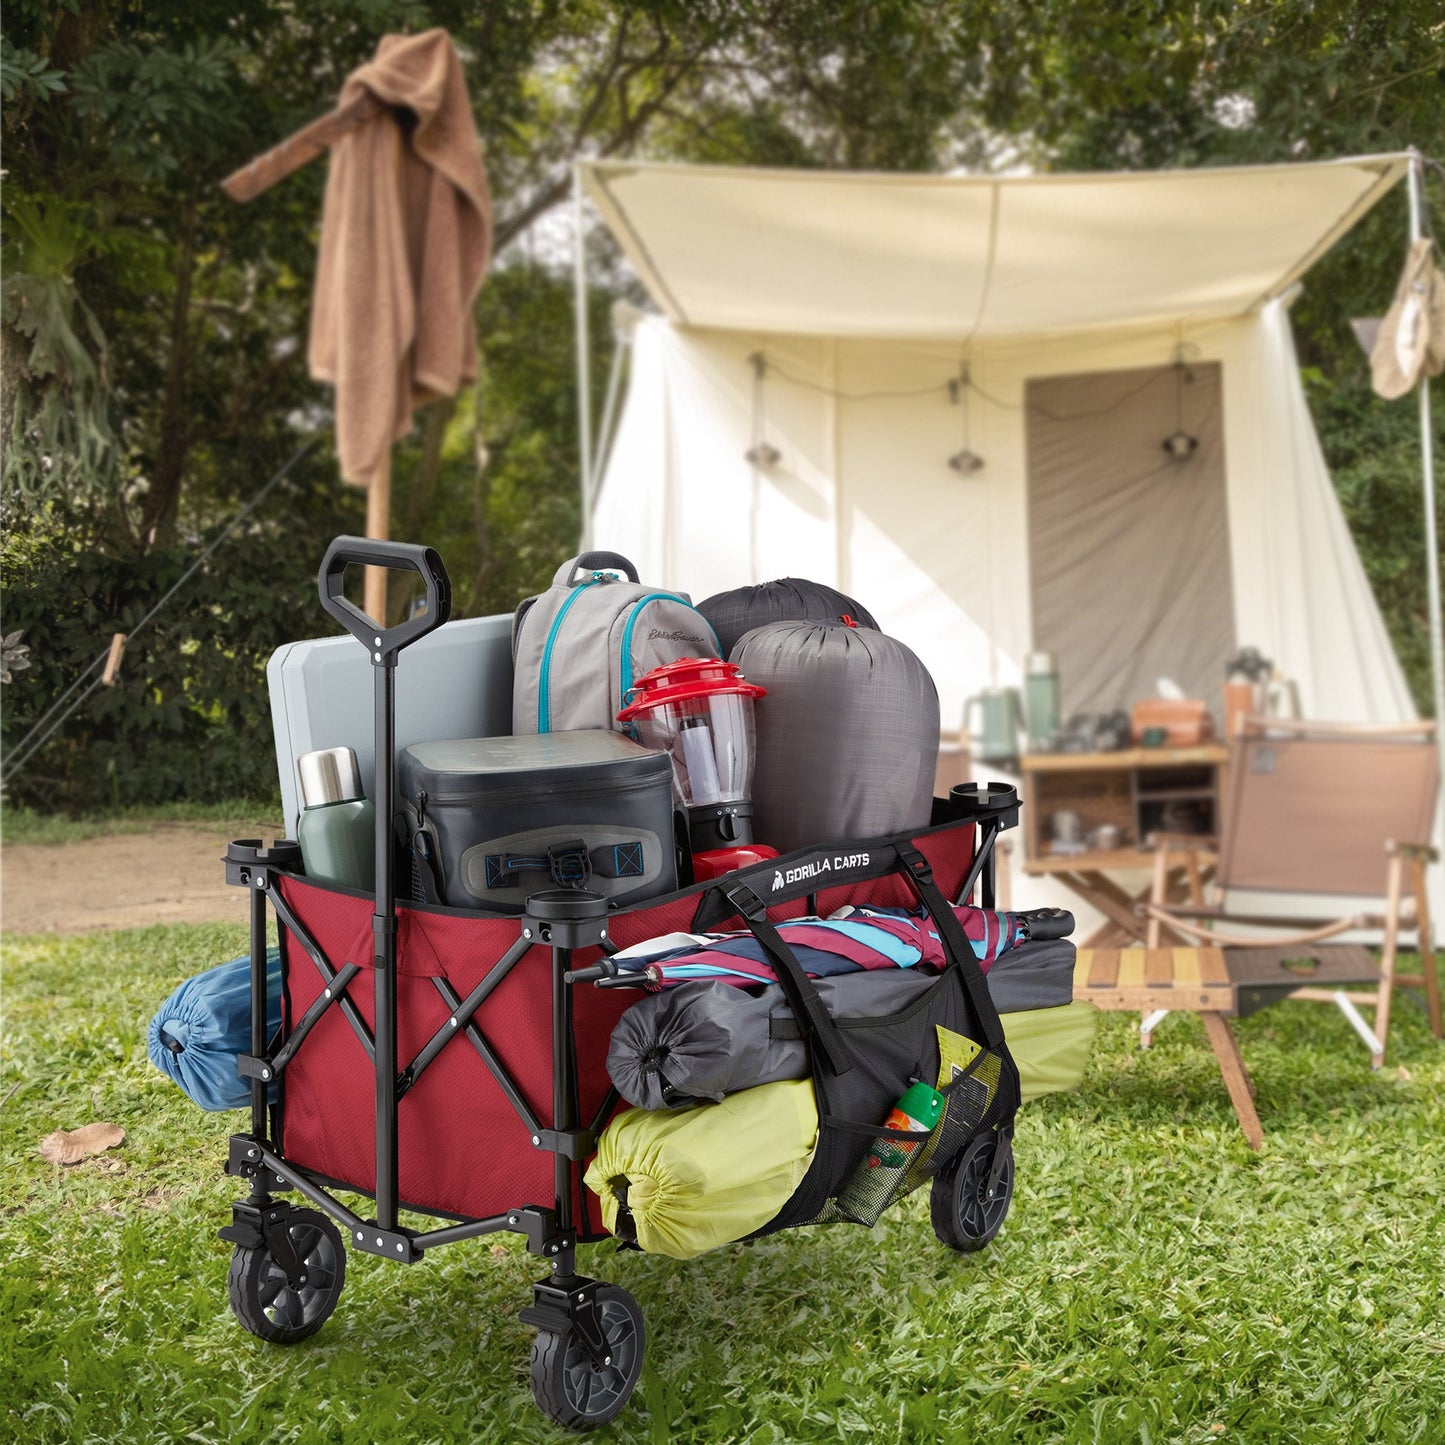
column 1138, row 790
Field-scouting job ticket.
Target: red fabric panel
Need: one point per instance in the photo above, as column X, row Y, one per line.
column 463, row 1150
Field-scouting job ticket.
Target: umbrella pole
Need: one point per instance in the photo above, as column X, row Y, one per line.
column 1427, row 470
column 378, row 528
column 584, row 370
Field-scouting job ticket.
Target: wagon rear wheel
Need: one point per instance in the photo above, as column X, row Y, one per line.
column 966, row 1213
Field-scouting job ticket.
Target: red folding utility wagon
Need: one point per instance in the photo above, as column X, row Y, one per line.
column 453, row 1062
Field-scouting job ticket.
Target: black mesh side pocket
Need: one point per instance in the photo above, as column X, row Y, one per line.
column 967, row 1102
column 880, row 1177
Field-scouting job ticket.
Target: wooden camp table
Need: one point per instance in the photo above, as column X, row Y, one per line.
column 1217, row 984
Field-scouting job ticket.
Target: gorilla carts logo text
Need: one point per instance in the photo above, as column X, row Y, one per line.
column 802, row 872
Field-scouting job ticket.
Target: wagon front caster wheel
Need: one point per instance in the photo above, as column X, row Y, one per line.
column 263, row 1297
column 966, row 1214
column 573, row 1389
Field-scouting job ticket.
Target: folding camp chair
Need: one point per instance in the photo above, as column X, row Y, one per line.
column 1332, row 810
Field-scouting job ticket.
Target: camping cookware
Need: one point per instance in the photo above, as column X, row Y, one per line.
column 993, row 719
column 1042, row 699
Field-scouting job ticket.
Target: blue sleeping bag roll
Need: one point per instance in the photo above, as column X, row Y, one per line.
column 201, row 1028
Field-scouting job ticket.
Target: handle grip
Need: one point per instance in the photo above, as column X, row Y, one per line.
column 602, row 562
column 385, row 644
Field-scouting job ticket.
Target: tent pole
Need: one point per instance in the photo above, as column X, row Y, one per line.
column 621, row 344
column 584, row 369
column 1427, row 468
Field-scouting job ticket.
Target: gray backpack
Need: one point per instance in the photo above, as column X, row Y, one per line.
column 578, row 647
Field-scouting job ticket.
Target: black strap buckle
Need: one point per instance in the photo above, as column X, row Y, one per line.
column 745, row 901
column 917, row 865
column 570, row 864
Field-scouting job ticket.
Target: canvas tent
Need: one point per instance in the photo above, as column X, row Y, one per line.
column 829, row 342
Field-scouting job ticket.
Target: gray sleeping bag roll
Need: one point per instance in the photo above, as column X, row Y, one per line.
column 705, row 1039
column 847, row 737
column 789, row 599
column 702, row 1040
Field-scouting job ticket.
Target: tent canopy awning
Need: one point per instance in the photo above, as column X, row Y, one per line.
column 859, row 254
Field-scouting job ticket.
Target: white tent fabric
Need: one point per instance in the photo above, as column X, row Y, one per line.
column 828, row 254
column 866, row 295
column 864, row 500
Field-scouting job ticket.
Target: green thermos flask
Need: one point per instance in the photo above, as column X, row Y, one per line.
column 337, row 832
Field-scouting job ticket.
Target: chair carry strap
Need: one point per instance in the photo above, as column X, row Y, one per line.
column 955, row 942
column 797, row 987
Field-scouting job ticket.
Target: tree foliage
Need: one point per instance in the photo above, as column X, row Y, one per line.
column 154, row 333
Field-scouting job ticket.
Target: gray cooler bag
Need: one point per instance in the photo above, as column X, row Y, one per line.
column 578, row 647
column 491, row 820
column 847, row 737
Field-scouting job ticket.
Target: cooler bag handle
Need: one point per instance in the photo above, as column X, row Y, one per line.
column 797, row 987
column 955, row 942
column 566, row 574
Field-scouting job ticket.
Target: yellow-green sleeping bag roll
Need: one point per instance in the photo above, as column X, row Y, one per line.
column 1050, row 1046
column 697, row 1178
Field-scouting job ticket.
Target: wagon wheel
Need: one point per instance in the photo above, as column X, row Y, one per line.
column 966, row 1214
column 569, row 1386
column 267, row 1303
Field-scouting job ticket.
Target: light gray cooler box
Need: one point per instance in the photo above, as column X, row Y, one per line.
column 454, row 683
column 492, row 820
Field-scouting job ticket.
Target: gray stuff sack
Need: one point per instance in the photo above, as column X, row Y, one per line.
column 847, row 737
column 578, row 647
column 703, row 1040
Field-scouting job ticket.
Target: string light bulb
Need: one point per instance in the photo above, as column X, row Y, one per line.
column 762, row 453
column 965, row 461
column 1180, row 444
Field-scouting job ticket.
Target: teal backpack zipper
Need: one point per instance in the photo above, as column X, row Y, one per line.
column 544, row 691
column 626, row 676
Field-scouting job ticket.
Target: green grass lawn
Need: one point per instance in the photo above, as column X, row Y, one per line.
column 1155, row 1281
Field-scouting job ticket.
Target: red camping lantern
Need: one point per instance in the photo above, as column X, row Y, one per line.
column 699, row 710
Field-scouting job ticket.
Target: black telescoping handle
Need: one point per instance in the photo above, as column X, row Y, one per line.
column 385, row 643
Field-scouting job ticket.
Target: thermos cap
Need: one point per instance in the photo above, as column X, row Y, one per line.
column 1040, row 664
column 329, row 775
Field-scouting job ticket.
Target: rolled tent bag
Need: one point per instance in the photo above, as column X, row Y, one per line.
column 199, row 1030
column 1037, row 974
column 789, row 599
column 683, row 1181
column 1050, row 1046
column 847, row 737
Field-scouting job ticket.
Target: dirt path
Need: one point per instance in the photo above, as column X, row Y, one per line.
column 170, row 874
